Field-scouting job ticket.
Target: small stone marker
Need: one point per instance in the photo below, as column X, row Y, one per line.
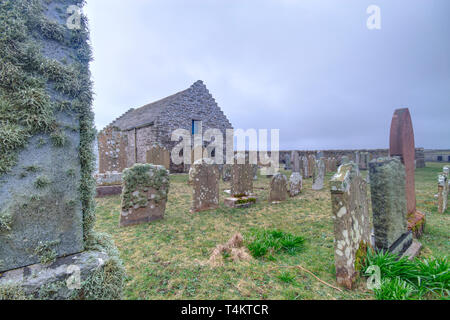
column 387, row 176
column 295, row 184
column 319, row 175
column 144, row 196
column 351, row 223
column 278, row 188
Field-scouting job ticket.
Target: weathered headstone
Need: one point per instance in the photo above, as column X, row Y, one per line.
column 305, row 166
column 295, row 162
column 278, row 188
column 402, row 145
column 319, row 175
column 108, row 184
column 387, row 177
column 47, row 162
column 311, row 165
column 226, row 173
column 255, row 171
column 288, row 162
column 144, row 196
column 159, row 156
column 443, row 190
column 351, row 223
column 205, row 180
column 295, row 184
column 241, row 179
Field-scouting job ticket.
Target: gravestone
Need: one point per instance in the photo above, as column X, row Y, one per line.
column 333, row 165
column 108, row 184
column 387, row 177
column 364, row 161
column 205, row 180
column 144, row 196
column 255, row 171
column 295, row 184
column 345, row 160
column 47, row 186
column 402, row 145
column 226, row 173
column 296, row 165
column 304, row 167
column 351, row 223
column 443, row 190
column 319, row 175
column 311, row 165
column 278, row 188
column 241, row 179
column 159, row 156
column 288, row 164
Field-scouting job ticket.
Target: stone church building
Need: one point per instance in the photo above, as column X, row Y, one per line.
column 127, row 139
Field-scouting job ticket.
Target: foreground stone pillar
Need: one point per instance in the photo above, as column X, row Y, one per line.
column 351, row 223
column 387, row 177
column 278, row 188
column 47, row 186
column 205, row 181
column 144, row 196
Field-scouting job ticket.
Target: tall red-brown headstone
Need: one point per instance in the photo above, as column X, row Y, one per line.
column 402, row 145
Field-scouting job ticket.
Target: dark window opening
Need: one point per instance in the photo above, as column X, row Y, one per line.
column 439, row 158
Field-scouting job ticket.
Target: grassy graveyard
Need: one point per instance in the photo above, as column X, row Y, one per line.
column 168, row 259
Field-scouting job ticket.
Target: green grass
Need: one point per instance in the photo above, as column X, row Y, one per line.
column 168, row 259
column 267, row 243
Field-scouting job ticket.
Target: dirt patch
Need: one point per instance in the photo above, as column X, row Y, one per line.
column 233, row 249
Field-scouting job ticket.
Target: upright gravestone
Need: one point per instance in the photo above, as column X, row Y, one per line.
column 241, row 180
column 46, row 159
column 305, row 166
column 159, row 156
column 226, row 173
column 295, row 162
column 278, row 188
column 387, row 176
column 351, row 223
column 205, row 181
column 288, row 164
column 402, row 146
column 311, row 165
column 295, row 184
column 319, row 175
column 144, row 196
column 443, row 190
column 255, row 171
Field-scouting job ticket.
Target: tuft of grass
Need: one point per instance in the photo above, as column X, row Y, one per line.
column 428, row 277
column 395, row 289
column 269, row 242
column 286, row 277
column 42, row 182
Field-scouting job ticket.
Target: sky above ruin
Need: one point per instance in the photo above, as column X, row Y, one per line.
column 310, row 68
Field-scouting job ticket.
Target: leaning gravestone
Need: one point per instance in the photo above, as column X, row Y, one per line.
column 278, row 188
column 319, row 175
column 205, row 181
column 387, row 177
column 402, row 146
column 144, row 196
column 295, row 184
column 47, row 161
column 351, row 223
column 159, row 156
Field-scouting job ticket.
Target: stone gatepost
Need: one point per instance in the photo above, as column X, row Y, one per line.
column 351, row 223
column 205, row 181
column 144, row 196
column 319, row 175
column 295, row 184
column 387, row 177
column 47, row 186
column 278, row 188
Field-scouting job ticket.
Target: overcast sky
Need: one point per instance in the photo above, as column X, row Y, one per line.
column 310, row 68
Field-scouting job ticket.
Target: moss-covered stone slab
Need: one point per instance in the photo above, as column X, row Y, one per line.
column 240, row 202
column 351, row 223
column 144, row 196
